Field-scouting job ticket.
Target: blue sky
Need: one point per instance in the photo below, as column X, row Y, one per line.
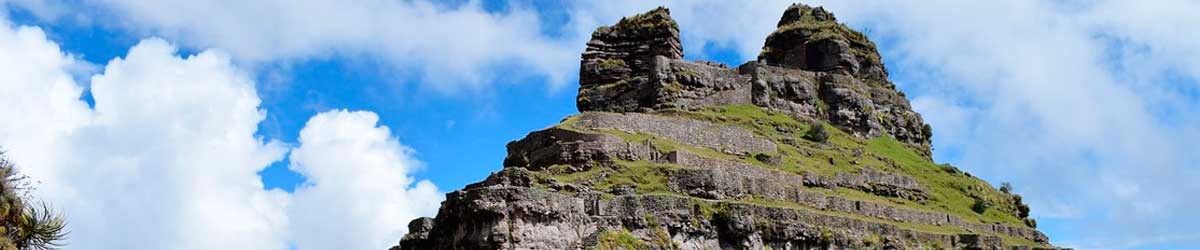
column 1088, row 108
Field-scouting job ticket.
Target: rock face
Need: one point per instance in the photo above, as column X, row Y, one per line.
column 618, row 69
column 811, row 67
column 673, row 154
column 811, row 39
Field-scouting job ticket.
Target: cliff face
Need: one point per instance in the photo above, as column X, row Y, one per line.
column 809, row 147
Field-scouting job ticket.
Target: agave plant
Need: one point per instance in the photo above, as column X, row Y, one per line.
column 24, row 225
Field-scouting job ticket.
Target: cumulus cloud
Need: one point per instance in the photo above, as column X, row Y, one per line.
column 359, row 194
column 168, row 149
column 167, row 157
column 449, row 46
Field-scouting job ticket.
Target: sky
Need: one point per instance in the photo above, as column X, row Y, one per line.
column 317, row 124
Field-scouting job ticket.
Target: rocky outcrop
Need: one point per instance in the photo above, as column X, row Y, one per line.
column 812, row 68
column 508, row 211
column 514, row 217
column 618, row 69
column 418, row 235
column 811, row 39
column 665, row 155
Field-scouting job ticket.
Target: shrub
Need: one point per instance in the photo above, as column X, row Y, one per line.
column 1005, row 187
column 981, row 205
column 817, row 133
column 951, row 169
column 1022, row 208
column 1030, row 222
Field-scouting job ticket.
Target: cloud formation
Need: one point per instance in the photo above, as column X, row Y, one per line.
column 359, row 194
column 450, row 47
column 151, row 169
column 167, row 158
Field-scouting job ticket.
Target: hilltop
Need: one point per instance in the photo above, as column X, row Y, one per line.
column 808, row 147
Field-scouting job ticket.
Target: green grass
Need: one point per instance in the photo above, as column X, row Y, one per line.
column 688, row 72
column 948, row 191
column 644, row 176
column 645, row 21
column 575, row 177
column 609, row 64
column 620, row 239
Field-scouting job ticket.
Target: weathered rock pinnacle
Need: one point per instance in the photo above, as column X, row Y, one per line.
column 626, row 56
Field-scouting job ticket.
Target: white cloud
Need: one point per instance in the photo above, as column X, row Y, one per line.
column 359, row 194
column 40, row 99
column 168, row 149
column 168, row 159
column 450, row 47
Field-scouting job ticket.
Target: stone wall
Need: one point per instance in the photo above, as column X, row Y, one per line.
column 722, row 138
column 717, row 179
column 512, row 217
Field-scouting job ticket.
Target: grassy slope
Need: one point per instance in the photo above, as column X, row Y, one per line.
column 949, row 190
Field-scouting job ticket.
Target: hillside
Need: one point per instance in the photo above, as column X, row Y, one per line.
column 808, row 147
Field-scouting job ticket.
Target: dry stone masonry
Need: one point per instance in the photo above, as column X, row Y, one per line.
column 647, row 164
column 728, row 139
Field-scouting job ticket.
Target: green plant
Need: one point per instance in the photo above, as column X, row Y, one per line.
column 1022, row 208
column 981, row 205
column 662, row 239
column 619, row 239
column 23, row 225
column 1030, row 222
column 817, row 133
column 826, row 236
column 610, row 63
